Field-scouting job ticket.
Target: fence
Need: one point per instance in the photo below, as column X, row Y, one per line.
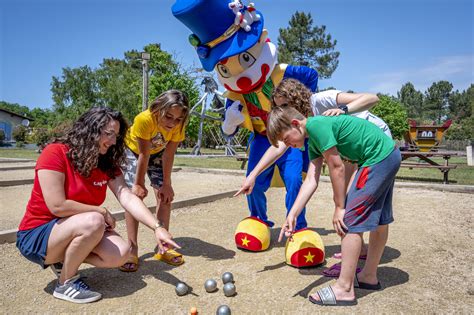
column 457, row 145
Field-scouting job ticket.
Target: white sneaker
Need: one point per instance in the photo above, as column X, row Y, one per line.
column 76, row 291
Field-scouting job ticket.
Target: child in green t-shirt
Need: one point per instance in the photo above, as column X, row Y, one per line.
column 368, row 204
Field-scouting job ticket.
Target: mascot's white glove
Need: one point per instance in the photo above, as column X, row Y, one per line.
column 233, row 118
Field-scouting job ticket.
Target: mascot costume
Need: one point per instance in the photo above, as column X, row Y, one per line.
column 229, row 38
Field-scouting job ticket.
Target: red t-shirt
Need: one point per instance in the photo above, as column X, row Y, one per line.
column 91, row 190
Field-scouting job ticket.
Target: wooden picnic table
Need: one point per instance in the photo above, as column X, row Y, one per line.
column 427, row 157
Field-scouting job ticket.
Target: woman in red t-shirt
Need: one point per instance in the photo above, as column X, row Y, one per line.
column 64, row 224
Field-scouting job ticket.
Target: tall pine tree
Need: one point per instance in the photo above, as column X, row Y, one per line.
column 436, row 100
column 301, row 43
column 412, row 100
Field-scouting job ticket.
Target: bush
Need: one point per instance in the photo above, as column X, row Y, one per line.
column 464, row 130
column 19, row 134
column 393, row 113
column 2, row 136
column 41, row 136
column 60, row 129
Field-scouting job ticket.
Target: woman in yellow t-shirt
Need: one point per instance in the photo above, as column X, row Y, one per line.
column 152, row 141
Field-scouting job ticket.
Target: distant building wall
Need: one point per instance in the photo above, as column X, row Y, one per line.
column 8, row 121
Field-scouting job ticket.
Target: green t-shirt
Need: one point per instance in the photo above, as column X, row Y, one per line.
column 356, row 139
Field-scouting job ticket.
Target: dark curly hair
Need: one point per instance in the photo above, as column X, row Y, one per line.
column 297, row 95
column 83, row 142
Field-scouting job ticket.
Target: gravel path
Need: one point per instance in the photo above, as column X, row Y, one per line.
column 186, row 185
column 426, row 267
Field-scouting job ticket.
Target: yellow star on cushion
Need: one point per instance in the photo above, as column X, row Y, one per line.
column 245, row 241
column 309, row 257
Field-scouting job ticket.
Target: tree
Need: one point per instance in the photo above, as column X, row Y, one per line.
column 436, row 100
column 165, row 74
column 412, row 100
column 42, row 118
column 15, row 108
column 117, row 83
column 461, row 104
column 75, row 92
column 393, row 113
column 302, row 44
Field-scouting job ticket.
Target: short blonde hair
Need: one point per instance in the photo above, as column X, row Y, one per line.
column 279, row 121
column 297, row 95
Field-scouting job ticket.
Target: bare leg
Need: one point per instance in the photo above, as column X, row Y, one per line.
column 351, row 170
column 132, row 233
column 163, row 214
column 112, row 251
column 344, row 286
column 163, row 210
column 73, row 239
column 377, row 241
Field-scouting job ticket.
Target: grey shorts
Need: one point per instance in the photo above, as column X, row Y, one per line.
column 154, row 169
column 369, row 200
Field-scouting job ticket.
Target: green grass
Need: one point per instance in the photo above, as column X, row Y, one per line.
column 19, row 153
column 205, row 151
column 221, row 163
column 463, row 174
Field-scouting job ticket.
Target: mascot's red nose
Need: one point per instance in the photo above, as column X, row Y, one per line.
column 244, row 83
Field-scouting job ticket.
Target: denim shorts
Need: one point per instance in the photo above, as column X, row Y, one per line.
column 154, row 169
column 369, row 200
column 33, row 243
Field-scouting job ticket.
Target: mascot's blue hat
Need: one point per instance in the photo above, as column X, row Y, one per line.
column 215, row 35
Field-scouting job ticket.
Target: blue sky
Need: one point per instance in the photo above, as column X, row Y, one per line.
column 383, row 43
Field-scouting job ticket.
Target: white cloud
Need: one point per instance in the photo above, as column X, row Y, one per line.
column 456, row 69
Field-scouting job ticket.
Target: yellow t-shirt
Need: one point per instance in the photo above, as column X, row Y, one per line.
column 146, row 127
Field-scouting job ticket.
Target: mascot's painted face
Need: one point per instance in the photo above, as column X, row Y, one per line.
column 248, row 71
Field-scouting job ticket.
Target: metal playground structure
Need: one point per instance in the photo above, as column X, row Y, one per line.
column 210, row 108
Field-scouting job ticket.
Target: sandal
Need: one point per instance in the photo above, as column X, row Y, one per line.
column 335, row 270
column 366, row 286
column 339, row 256
column 327, row 297
column 131, row 265
column 170, row 256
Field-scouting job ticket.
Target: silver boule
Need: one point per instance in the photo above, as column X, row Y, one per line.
column 181, row 289
column 229, row 289
column 223, row 310
column 210, row 285
column 227, row 277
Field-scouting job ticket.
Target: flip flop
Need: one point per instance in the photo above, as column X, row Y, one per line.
column 131, row 265
column 335, row 270
column 169, row 256
column 366, row 286
column 328, row 298
column 339, row 256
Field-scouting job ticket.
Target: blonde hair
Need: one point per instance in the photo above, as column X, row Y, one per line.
column 169, row 99
column 297, row 95
column 279, row 121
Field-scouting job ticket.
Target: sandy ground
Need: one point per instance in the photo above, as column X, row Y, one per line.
column 426, row 267
column 14, row 198
column 16, row 174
